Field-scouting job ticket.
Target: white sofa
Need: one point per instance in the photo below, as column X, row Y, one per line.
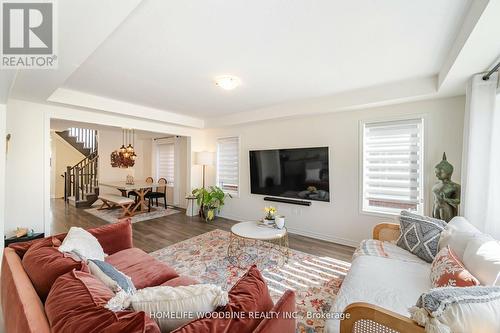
column 378, row 291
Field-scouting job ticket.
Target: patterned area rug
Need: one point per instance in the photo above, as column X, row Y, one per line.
column 112, row 215
column 316, row 280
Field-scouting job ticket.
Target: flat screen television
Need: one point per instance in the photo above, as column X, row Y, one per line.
column 299, row 173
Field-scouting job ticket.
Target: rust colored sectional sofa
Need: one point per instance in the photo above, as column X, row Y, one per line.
column 25, row 311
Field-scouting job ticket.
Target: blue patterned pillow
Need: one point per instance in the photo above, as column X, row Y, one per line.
column 121, row 279
column 420, row 235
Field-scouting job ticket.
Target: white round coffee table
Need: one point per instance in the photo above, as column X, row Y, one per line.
column 277, row 239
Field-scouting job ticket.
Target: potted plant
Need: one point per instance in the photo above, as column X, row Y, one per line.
column 270, row 214
column 210, row 201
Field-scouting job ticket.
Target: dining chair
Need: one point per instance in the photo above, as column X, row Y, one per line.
column 161, row 192
column 149, row 180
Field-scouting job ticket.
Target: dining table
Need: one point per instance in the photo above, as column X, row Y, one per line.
column 140, row 188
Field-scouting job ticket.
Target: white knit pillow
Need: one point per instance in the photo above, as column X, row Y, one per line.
column 83, row 243
column 172, row 307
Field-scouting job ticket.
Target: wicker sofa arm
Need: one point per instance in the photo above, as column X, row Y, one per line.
column 386, row 231
column 369, row 318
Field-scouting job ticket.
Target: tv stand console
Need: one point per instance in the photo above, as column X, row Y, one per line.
column 289, row 201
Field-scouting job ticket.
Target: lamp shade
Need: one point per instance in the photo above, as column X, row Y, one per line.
column 204, row 158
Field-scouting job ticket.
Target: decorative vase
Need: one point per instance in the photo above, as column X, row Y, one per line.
column 280, row 222
column 208, row 217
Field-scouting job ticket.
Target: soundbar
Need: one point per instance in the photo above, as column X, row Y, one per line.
column 289, row 201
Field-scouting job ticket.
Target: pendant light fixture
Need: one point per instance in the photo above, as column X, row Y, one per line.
column 125, row 156
column 130, row 148
column 122, row 148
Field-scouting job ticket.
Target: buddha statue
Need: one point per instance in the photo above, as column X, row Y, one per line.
column 446, row 192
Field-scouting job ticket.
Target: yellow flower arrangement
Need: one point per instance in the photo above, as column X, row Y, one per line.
column 270, row 212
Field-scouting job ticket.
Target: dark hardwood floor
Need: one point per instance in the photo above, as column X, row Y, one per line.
column 158, row 233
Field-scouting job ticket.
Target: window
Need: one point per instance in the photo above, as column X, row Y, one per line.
column 228, row 164
column 392, row 166
column 165, row 162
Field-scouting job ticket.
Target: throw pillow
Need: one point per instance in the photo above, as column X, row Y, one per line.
column 76, row 304
column 420, row 235
column 249, row 294
column 457, row 234
column 482, row 259
column 111, row 277
column 183, row 302
column 455, row 309
column 448, row 271
column 83, row 243
column 44, row 264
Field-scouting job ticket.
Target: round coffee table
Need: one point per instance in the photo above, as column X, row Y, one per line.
column 261, row 235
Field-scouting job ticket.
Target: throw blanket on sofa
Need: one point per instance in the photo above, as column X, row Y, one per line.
column 373, row 247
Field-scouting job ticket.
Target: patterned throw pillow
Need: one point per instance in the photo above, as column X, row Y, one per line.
column 420, row 235
column 448, row 271
column 455, row 309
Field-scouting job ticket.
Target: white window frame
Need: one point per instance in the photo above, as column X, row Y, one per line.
column 234, row 194
column 423, row 159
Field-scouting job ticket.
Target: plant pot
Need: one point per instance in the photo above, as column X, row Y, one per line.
column 210, row 213
column 280, row 222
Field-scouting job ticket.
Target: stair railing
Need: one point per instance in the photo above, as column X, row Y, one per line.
column 86, row 136
column 82, row 178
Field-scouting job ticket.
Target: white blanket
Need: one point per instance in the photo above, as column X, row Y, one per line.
column 390, row 283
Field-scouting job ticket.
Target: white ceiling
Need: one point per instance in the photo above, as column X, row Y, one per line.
column 156, row 59
column 166, row 53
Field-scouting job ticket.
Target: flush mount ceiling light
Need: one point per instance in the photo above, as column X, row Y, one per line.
column 227, row 82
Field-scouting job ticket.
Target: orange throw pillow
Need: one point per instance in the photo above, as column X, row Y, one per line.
column 249, row 294
column 76, row 304
column 44, row 264
column 448, row 271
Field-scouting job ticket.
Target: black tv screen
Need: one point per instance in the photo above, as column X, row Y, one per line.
column 300, row 173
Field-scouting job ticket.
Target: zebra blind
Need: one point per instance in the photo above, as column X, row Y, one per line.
column 392, row 166
column 165, row 162
column 228, row 172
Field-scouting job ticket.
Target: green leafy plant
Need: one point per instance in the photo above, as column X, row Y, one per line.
column 210, row 201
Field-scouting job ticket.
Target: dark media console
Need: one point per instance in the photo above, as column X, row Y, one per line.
column 289, row 201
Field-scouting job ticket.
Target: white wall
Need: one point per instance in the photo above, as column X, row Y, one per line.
column 2, row 172
column 28, row 161
column 183, row 172
column 340, row 220
column 25, row 183
column 62, row 156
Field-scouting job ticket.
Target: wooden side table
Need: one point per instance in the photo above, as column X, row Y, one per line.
column 14, row 239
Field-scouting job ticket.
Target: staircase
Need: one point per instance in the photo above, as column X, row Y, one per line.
column 80, row 180
column 82, row 139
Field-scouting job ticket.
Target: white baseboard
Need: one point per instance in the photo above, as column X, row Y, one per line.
column 306, row 233
column 324, row 237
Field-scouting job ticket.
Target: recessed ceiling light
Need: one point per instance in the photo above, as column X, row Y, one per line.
column 227, row 82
